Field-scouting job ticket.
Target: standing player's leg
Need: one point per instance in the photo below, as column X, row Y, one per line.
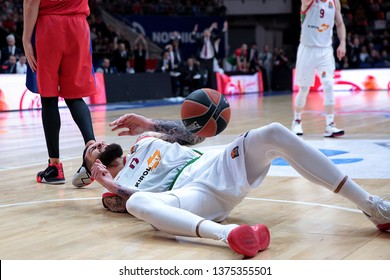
column 82, row 117
column 49, row 45
column 77, row 81
column 275, row 141
column 51, row 122
column 304, row 78
column 326, row 70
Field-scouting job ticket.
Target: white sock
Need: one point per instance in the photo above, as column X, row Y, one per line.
column 356, row 194
column 213, row 230
column 297, row 116
column 329, row 119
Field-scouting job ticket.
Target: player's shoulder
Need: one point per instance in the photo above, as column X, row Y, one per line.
column 305, row 4
column 148, row 136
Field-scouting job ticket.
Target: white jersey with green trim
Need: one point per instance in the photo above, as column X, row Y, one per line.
column 317, row 23
column 153, row 164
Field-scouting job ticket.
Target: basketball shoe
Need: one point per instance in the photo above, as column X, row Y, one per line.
column 53, row 174
column 296, row 127
column 249, row 240
column 332, row 131
column 380, row 211
column 81, row 178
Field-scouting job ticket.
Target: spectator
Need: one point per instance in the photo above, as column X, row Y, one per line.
column 106, row 67
column 254, row 65
column 21, row 65
column 10, row 49
column 120, row 59
column 364, row 55
column 10, row 66
column 206, row 51
column 140, row 54
column 176, row 48
column 385, row 45
column 384, row 59
column 174, row 61
column 266, row 63
column 190, row 76
column 165, row 65
column 280, row 59
column 374, row 57
column 241, row 55
column 354, row 53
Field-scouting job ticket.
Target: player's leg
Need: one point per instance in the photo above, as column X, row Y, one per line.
column 264, row 144
column 51, row 122
column 77, row 81
column 326, row 70
column 49, row 51
column 190, row 212
column 304, row 77
column 82, row 117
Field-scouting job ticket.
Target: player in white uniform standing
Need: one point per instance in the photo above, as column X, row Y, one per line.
column 183, row 192
column 315, row 52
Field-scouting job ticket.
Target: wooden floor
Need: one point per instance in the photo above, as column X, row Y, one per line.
column 307, row 222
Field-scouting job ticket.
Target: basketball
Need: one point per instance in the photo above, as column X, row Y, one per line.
column 205, row 112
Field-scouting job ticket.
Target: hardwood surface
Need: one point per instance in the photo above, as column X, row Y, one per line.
column 307, row 222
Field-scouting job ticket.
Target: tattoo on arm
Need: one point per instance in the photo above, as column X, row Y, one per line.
column 125, row 193
column 175, row 131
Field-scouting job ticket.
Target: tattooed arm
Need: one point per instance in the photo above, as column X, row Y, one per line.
column 168, row 130
column 100, row 173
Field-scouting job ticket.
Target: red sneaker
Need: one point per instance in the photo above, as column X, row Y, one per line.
column 248, row 241
column 263, row 236
column 53, row 174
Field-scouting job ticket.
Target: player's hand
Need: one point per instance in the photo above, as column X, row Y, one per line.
column 100, row 173
column 29, row 52
column 132, row 123
column 341, row 51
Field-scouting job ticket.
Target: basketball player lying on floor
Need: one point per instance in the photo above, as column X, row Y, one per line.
column 183, row 192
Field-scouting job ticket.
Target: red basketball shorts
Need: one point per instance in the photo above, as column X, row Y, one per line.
column 64, row 57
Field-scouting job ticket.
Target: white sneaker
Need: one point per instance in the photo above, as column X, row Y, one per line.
column 332, row 131
column 296, row 127
column 81, row 178
column 380, row 211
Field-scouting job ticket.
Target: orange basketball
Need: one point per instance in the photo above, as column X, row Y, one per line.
column 205, row 112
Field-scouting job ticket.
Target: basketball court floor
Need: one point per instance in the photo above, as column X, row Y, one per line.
column 307, row 222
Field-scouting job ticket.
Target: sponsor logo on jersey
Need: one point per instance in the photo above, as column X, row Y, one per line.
column 133, row 163
column 133, row 149
column 234, row 152
column 323, row 74
column 330, row 5
column 153, row 161
column 323, row 27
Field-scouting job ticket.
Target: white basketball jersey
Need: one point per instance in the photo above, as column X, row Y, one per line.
column 153, row 164
column 317, row 23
